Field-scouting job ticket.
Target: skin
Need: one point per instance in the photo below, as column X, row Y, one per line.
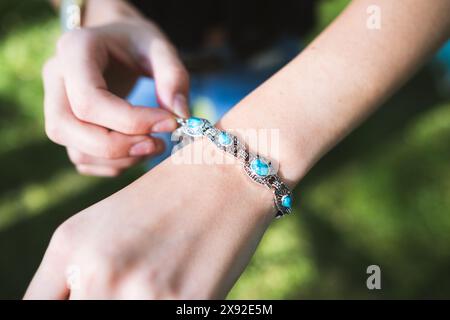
column 181, row 231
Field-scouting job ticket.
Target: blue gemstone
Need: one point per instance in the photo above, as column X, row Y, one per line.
column 286, row 201
column 260, row 167
column 194, row 123
column 224, row 139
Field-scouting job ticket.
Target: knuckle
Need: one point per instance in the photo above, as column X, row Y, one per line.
column 53, row 132
column 110, row 148
column 101, row 271
column 101, row 172
column 98, row 276
column 81, row 108
column 127, row 163
column 138, row 126
column 113, row 172
column 133, row 121
column 86, row 36
column 49, row 68
column 80, row 169
column 77, row 39
column 61, row 238
column 85, row 169
column 110, row 151
column 66, row 40
column 116, row 172
column 78, row 158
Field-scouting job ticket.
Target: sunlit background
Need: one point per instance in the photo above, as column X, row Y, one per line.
column 381, row 197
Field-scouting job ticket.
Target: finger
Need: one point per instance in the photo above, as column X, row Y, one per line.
column 98, row 170
column 88, row 93
column 64, row 128
column 50, row 281
column 171, row 77
column 78, row 157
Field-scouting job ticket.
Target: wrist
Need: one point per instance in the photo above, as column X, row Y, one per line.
column 269, row 139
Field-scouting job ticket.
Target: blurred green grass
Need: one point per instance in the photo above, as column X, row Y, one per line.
column 381, row 197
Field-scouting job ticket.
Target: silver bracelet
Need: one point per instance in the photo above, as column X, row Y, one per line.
column 257, row 168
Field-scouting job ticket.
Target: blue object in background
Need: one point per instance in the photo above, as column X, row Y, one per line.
column 443, row 59
column 443, row 55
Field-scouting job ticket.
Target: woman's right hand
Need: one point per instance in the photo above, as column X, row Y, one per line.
column 85, row 83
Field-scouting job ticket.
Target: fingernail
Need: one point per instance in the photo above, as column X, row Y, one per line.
column 165, row 125
column 180, row 106
column 142, row 148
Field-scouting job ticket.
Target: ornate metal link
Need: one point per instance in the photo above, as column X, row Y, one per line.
column 256, row 167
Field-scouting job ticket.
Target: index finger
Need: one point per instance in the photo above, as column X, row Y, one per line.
column 88, row 94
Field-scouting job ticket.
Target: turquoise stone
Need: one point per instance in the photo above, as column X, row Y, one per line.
column 286, row 201
column 194, row 123
column 224, row 139
column 194, row 126
column 260, row 167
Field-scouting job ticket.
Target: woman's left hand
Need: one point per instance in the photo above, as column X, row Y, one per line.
column 180, row 231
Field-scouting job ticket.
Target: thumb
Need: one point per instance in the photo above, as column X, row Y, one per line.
column 171, row 79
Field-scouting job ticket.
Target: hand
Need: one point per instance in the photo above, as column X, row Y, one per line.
column 180, row 231
column 84, row 83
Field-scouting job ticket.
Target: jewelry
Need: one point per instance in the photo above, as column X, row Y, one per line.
column 71, row 12
column 257, row 168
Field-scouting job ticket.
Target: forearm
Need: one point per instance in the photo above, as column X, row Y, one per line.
column 340, row 78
